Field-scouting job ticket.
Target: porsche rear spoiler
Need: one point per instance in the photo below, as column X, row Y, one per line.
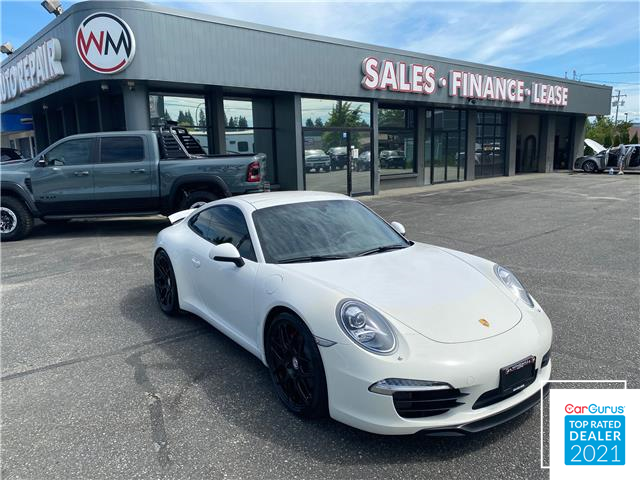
column 178, row 216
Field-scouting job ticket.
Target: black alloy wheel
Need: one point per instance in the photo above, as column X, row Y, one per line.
column 296, row 366
column 165, row 284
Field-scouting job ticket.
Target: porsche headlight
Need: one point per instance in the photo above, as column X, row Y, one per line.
column 512, row 283
column 366, row 327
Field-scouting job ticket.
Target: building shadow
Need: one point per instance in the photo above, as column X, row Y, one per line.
column 110, row 227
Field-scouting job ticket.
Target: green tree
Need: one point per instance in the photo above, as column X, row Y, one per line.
column 308, row 123
column 242, row 122
column 634, row 139
column 202, row 119
column 607, row 140
column 342, row 115
column 232, row 122
column 180, row 117
column 318, row 122
column 188, row 118
column 166, row 115
column 391, row 117
column 616, row 140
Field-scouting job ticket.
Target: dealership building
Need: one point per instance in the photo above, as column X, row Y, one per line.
column 329, row 114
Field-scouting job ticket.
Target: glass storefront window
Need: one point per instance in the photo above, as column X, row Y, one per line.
column 189, row 112
column 445, row 145
column 396, row 139
column 490, row 144
column 248, row 128
column 337, row 145
column 321, row 112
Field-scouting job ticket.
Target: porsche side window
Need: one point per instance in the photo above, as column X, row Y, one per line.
column 225, row 224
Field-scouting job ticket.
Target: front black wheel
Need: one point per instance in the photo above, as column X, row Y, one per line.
column 165, row 284
column 16, row 222
column 296, row 367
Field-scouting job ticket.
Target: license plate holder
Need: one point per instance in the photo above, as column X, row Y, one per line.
column 518, row 375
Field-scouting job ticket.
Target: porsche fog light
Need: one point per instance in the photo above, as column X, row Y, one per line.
column 389, row 386
column 366, row 327
column 512, row 283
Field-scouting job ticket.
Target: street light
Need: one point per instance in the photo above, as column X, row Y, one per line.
column 52, row 6
column 6, row 48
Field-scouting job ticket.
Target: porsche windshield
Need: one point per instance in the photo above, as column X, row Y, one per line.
column 322, row 230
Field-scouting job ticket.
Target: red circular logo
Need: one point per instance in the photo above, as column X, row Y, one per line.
column 105, row 43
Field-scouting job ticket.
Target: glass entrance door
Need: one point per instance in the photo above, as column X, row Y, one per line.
column 337, row 161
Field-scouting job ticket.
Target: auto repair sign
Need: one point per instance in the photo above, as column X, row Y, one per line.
column 105, row 43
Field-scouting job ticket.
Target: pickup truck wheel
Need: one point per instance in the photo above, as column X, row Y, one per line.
column 197, row 199
column 16, row 221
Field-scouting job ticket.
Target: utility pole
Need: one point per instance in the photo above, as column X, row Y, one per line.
column 617, row 105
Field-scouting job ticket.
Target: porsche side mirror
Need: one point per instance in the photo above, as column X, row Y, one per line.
column 226, row 252
column 41, row 162
column 398, row 227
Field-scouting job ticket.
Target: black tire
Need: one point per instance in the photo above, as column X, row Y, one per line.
column 590, row 166
column 16, row 221
column 165, row 284
column 296, row 366
column 197, row 199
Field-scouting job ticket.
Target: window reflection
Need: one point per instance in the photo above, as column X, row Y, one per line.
column 445, row 145
column 396, row 139
column 490, row 144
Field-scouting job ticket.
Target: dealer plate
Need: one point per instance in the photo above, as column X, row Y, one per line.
column 518, row 375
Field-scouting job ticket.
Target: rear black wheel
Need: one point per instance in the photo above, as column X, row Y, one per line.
column 165, row 284
column 296, row 366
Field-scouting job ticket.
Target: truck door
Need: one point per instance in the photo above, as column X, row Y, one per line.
column 123, row 175
column 63, row 181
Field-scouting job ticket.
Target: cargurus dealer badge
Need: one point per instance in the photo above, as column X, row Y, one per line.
column 593, row 432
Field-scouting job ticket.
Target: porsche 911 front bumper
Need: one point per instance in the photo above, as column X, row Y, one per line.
column 474, row 402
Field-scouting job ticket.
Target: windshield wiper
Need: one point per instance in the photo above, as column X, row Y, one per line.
column 383, row 248
column 313, row 258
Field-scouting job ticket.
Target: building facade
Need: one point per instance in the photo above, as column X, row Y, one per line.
column 329, row 114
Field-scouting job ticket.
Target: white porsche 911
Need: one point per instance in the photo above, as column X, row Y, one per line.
column 354, row 320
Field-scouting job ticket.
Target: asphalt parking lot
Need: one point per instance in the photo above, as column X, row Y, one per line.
column 97, row 383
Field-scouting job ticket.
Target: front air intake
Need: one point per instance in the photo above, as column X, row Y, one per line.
column 426, row 403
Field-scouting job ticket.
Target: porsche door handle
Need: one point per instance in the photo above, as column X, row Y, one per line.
column 81, row 173
column 138, row 170
column 195, row 262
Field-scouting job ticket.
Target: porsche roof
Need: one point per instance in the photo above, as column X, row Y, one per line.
column 271, row 199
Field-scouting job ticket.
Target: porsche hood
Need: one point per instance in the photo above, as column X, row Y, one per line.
column 429, row 290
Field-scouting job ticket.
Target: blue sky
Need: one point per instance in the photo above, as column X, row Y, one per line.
column 596, row 39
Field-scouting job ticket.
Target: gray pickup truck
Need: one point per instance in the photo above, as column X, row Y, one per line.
column 120, row 173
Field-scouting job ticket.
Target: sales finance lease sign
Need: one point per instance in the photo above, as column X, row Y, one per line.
column 422, row 79
column 105, row 43
column 33, row 69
